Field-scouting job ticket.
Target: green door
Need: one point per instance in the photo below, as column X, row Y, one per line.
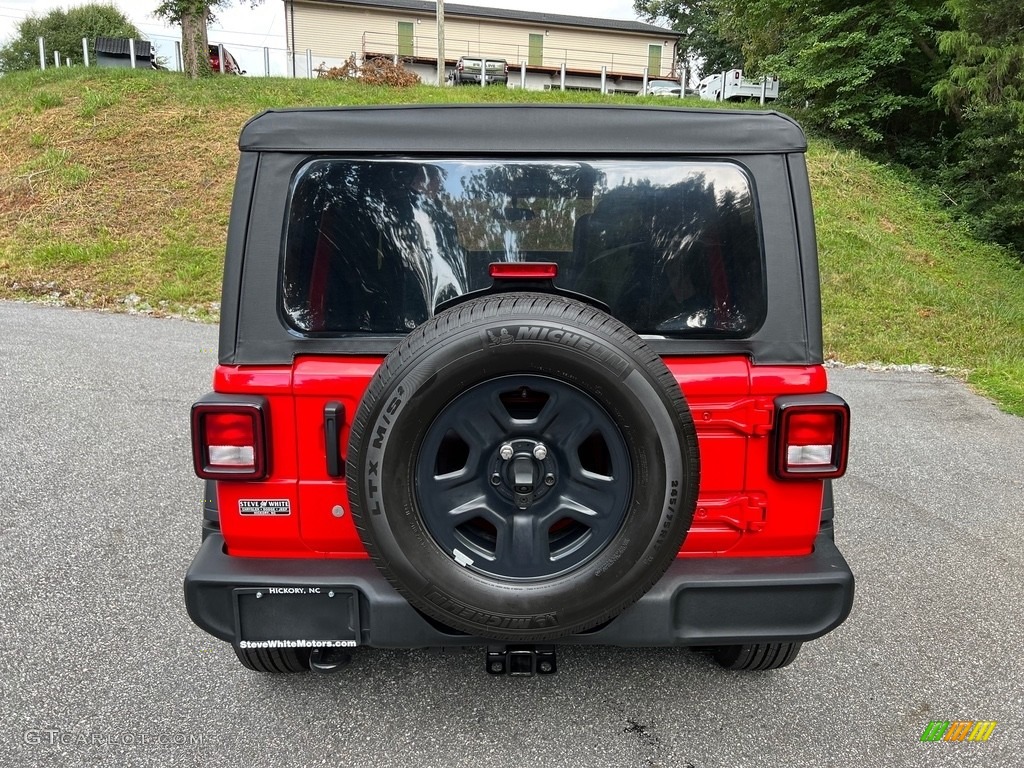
column 536, row 51
column 653, row 60
column 405, row 32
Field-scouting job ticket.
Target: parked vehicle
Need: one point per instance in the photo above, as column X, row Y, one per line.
column 670, row 88
column 230, row 65
column 733, row 86
column 467, row 71
column 519, row 376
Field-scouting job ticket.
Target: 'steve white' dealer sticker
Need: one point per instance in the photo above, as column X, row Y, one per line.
column 264, row 507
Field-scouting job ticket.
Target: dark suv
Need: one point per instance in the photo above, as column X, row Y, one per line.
column 468, row 68
column 517, row 377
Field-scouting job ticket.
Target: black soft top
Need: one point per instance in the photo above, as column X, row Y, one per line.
column 768, row 146
column 535, row 128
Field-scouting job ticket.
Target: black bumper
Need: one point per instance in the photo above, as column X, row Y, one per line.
column 708, row 601
column 465, row 79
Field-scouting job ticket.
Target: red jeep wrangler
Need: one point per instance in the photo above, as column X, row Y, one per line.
column 516, row 377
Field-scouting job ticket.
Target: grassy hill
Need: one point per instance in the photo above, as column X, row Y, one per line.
column 115, row 187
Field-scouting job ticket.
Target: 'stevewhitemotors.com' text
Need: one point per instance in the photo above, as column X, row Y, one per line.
column 297, row 644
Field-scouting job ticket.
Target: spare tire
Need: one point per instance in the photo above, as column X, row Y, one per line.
column 522, row 467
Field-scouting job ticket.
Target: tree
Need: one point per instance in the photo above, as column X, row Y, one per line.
column 63, row 31
column 987, row 50
column 863, row 69
column 937, row 85
column 701, row 44
column 984, row 92
column 194, row 16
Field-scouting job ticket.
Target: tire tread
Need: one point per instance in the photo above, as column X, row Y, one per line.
column 756, row 657
column 274, row 661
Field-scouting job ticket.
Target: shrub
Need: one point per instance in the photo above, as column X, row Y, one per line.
column 379, row 71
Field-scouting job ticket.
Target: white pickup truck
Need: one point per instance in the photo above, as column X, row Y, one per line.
column 732, row 85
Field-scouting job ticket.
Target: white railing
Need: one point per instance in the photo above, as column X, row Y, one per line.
column 258, row 61
column 425, row 47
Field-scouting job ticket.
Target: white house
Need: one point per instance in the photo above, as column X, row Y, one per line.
column 543, row 50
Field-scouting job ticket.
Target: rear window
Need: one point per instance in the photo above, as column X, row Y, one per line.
column 373, row 246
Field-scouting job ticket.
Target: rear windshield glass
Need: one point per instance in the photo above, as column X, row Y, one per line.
column 373, row 246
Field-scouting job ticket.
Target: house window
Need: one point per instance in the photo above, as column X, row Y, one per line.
column 654, row 60
column 536, row 51
column 405, row 33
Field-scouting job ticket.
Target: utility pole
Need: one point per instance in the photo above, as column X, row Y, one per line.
column 440, row 42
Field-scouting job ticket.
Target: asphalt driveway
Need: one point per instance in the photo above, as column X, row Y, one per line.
column 99, row 664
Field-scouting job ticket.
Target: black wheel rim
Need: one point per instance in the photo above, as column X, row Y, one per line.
column 523, row 478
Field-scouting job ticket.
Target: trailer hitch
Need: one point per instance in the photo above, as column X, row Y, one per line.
column 521, row 660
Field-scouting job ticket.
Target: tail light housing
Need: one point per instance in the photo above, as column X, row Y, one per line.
column 812, row 437
column 229, row 439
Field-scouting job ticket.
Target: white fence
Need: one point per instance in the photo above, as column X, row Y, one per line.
column 253, row 60
column 263, row 61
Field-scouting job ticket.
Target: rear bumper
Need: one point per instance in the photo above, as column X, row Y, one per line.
column 474, row 78
column 710, row 601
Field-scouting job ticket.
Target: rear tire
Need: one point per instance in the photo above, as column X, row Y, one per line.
column 758, row 657
column 274, row 661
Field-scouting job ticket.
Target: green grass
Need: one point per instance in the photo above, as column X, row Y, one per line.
column 93, row 101
column 44, row 100
column 62, row 254
column 903, row 283
column 58, row 164
column 1002, row 379
column 117, row 183
column 187, row 270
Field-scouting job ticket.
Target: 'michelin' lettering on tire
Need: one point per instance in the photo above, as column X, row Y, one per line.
column 524, row 333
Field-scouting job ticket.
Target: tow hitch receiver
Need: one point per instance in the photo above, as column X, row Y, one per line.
column 521, row 660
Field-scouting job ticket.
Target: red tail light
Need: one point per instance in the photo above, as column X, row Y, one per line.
column 228, row 441
column 812, row 437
